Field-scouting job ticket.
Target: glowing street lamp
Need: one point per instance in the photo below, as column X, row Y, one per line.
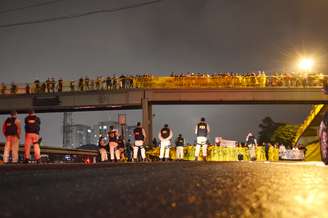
column 306, row 64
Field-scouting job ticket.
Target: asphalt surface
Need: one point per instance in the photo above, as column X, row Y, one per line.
column 169, row 189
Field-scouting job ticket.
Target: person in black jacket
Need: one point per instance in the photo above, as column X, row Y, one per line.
column 32, row 137
column 12, row 130
column 202, row 130
column 179, row 143
column 139, row 140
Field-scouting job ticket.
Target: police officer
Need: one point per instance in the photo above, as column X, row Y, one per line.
column 12, row 130
column 179, row 143
column 32, row 129
column 202, row 130
column 251, row 143
column 119, row 153
column 165, row 136
column 102, row 149
column 112, row 139
column 139, row 140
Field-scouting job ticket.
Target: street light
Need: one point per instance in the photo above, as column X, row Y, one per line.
column 306, row 64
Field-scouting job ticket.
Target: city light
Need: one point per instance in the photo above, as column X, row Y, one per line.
column 306, row 64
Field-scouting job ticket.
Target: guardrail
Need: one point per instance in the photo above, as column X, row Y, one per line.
column 59, row 151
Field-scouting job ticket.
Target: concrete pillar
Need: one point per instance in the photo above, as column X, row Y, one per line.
column 147, row 118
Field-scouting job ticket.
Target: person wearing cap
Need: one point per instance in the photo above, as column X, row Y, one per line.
column 11, row 130
column 165, row 136
column 179, row 143
column 102, row 149
column 139, row 140
column 112, row 139
column 32, row 137
column 202, row 130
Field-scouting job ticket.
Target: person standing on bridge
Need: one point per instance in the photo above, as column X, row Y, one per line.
column 32, row 129
column 323, row 134
column 139, row 140
column 12, row 130
column 202, row 130
column 112, row 138
column 165, row 136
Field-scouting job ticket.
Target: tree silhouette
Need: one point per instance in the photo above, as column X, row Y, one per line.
column 268, row 126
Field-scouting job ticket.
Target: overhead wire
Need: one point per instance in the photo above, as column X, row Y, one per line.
column 53, row 19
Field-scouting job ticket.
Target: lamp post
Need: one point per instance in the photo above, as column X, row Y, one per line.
column 122, row 123
column 306, row 64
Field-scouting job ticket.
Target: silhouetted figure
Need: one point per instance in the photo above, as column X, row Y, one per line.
column 81, row 85
column 72, row 85
column 60, row 85
column 13, row 88
column 3, row 88
column 37, row 86
column 27, row 89
column 87, row 83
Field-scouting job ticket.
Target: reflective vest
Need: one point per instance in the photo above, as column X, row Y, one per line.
column 179, row 141
column 10, row 127
column 165, row 133
column 32, row 124
column 138, row 135
column 202, row 129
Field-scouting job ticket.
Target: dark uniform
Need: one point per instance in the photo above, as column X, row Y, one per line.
column 179, row 143
column 11, row 129
column 139, row 137
column 202, row 131
column 32, row 129
column 112, row 138
column 165, row 136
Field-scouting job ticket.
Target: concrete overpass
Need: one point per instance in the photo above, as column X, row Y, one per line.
column 145, row 98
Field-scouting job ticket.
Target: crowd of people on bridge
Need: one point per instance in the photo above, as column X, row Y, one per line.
column 174, row 80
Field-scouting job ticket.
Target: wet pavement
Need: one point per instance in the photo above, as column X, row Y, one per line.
column 169, row 189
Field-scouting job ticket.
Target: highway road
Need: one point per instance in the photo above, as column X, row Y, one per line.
column 164, row 189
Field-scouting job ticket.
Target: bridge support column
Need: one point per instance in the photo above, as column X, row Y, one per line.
column 147, row 118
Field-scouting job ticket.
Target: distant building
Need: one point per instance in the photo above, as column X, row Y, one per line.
column 101, row 129
column 80, row 135
column 129, row 132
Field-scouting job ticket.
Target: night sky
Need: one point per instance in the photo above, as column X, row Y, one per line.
column 169, row 36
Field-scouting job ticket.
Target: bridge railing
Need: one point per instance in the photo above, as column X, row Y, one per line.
column 183, row 81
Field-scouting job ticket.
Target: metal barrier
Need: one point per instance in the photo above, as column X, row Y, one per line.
column 56, row 154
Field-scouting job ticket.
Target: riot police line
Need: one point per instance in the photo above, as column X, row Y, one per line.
column 119, row 150
column 115, row 146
